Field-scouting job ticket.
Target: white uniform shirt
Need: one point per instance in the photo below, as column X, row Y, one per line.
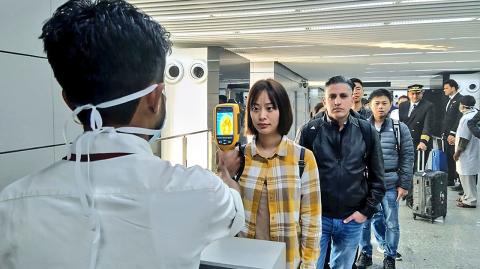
column 152, row 214
column 468, row 163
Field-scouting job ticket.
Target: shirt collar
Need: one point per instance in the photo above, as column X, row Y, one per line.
column 281, row 150
column 452, row 96
column 116, row 142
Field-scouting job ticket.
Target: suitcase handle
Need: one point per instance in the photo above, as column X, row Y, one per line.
column 436, row 144
column 420, row 161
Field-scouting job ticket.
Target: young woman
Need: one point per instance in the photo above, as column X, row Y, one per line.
column 280, row 204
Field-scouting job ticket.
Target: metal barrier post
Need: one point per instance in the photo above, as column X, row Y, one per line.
column 184, row 150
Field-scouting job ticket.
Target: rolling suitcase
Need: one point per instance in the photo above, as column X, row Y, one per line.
column 437, row 157
column 429, row 192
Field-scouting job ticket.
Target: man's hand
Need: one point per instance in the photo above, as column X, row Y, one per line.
column 421, row 146
column 451, row 140
column 223, row 173
column 357, row 217
column 456, row 155
column 230, row 160
column 401, row 192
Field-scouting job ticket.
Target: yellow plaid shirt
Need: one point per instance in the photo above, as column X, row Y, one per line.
column 294, row 203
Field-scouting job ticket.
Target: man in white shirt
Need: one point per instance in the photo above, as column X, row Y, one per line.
column 111, row 203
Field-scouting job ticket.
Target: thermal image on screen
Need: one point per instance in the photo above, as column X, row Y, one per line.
column 225, row 123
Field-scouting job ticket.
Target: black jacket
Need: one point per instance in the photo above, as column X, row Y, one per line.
column 452, row 116
column 342, row 158
column 420, row 121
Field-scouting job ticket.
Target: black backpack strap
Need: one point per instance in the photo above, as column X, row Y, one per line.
column 241, row 149
column 367, row 135
column 396, row 133
column 301, row 161
column 310, row 132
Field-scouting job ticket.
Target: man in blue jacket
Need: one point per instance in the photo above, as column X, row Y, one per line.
column 398, row 155
column 344, row 147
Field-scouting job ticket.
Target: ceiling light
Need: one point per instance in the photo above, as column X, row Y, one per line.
column 345, row 26
column 411, row 76
column 407, row 46
column 431, row 62
column 396, row 54
column 389, row 63
column 453, row 51
column 268, row 11
column 271, row 47
column 316, row 83
column 430, row 21
column 227, row 15
column 317, row 27
column 211, row 33
column 374, row 4
column 347, row 56
column 465, row 37
column 420, row 1
column 425, row 70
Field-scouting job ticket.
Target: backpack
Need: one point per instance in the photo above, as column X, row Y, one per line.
column 241, row 148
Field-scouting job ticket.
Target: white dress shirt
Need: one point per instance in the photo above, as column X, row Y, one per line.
column 152, row 214
column 412, row 107
column 450, row 97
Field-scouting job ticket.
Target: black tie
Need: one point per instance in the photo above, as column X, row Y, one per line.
column 413, row 108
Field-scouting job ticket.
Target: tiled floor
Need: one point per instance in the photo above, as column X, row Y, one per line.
column 450, row 244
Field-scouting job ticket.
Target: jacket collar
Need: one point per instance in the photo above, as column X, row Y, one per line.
column 352, row 118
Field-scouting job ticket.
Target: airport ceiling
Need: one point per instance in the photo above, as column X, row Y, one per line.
column 402, row 41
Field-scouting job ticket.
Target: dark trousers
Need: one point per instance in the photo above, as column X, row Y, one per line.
column 452, row 170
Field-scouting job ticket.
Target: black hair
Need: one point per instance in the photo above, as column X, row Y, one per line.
column 381, row 92
column 279, row 98
column 356, row 80
column 451, row 83
column 468, row 100
column 102, row 50
column 222, row 99
column 317, row 107
column 340, row 80
column 403, row 96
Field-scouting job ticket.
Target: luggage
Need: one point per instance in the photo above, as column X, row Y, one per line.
column 438, row 157
column 429, row 192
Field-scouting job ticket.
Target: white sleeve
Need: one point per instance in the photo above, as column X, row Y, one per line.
column 462, row 130
column 6, row 233
column 227, row 217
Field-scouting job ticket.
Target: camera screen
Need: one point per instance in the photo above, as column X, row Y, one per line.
column 224, row 123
